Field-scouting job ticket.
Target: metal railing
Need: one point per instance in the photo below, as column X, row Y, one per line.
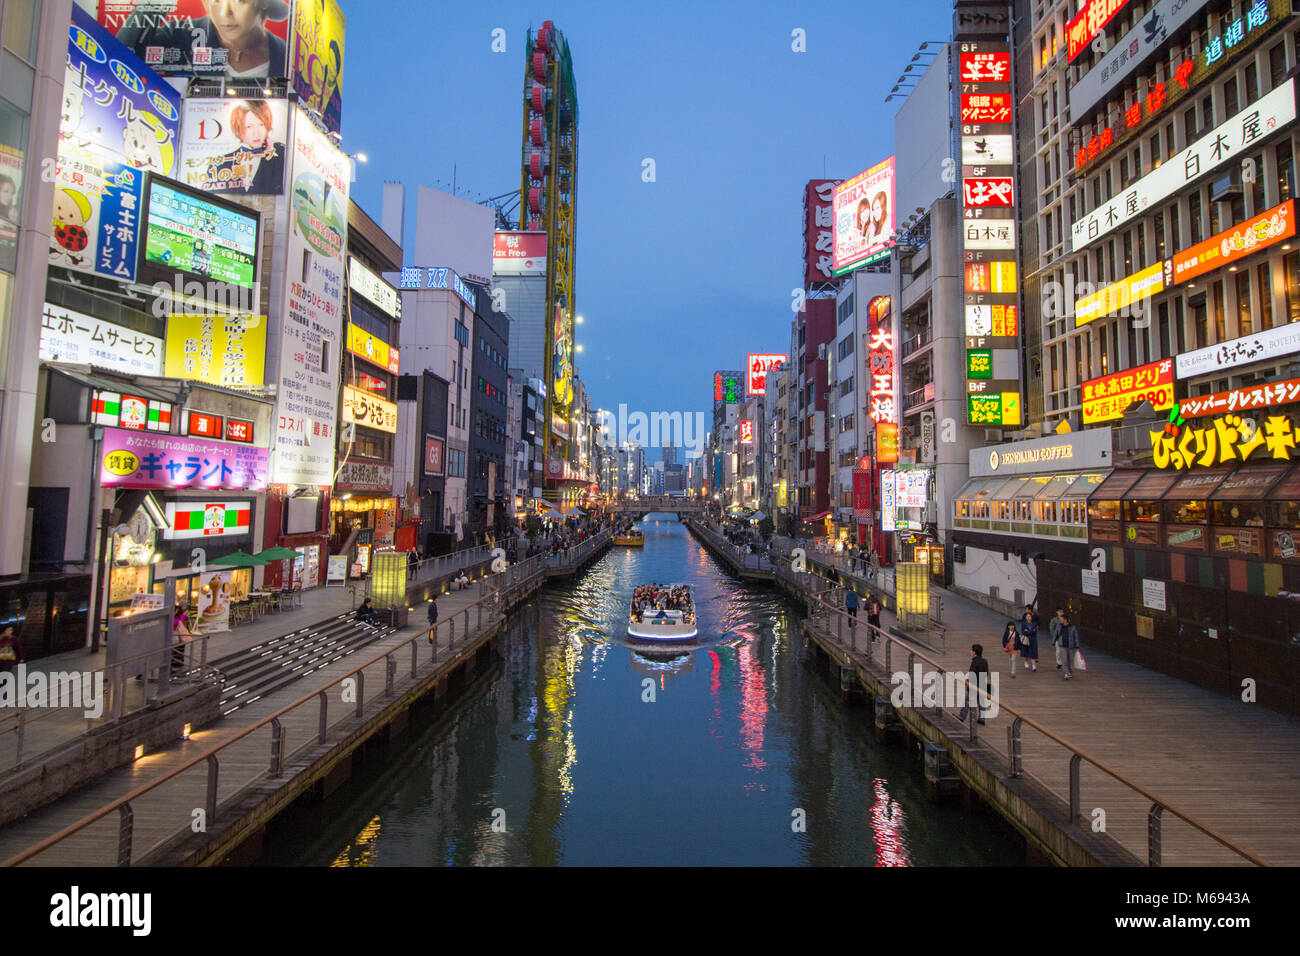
column 61, row 724
column 918, row 341
column 870, row 646
column 758, row 561
column 274, row 726
column 445, row 564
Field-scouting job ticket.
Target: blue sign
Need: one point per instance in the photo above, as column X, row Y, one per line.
column 119, row 119
column 418, row 277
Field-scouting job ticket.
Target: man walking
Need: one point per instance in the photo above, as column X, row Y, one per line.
column 851, row 605
column 1055, row 629
column 979, row 669
column 873, row 616
column 1069, row 642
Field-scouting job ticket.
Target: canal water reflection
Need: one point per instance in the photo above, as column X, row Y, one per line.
column 578, row 749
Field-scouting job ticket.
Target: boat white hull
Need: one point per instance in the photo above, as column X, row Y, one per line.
column 649, row 631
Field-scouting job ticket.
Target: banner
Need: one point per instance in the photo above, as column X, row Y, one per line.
column 226, row 350
column 234, row 147
column 182, row 37
column 119, row 118
column 862, row 495
column 864, row 217
column 318, row 27
column 519, row 254
column 433, row 449
column 311, row 325
column 1271, row 226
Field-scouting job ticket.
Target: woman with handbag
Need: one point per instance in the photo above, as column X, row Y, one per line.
column 1029, row 640
column 1011, row 644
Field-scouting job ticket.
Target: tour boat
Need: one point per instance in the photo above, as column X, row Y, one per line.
column 660, row 622
column 630, row 539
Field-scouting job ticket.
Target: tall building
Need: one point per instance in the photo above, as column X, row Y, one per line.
column 489, row 397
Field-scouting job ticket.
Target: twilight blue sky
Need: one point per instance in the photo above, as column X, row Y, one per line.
column 684, row 275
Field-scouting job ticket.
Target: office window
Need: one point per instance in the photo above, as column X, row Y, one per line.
column 1252, row 83
column 1194, row 216
column 1244, row 319
column 1160, row 233
column 1201, row 324
column 1265, row 297
column 1215, row 301
column 1285, row 171
column 1162, row 328
column 1230, row 104
column 1291, row 266
column 1277, row 64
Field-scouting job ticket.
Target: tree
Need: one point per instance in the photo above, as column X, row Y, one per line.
column 533, row 528
column 766, row 527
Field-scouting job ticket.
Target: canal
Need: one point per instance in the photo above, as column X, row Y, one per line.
column 574, row 748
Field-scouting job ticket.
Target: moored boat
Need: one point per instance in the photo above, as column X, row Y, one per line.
column 662, row 612
column 630, row 539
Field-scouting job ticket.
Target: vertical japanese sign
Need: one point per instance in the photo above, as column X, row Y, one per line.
column 311, row 315
column 119, row 119
column 317, row 72
column 882, row 406
column 988, row 202
column 819, row 231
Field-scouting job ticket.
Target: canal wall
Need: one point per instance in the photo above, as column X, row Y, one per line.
column 321, row 769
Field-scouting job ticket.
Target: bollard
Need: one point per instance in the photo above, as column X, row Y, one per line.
column 390, row 670
column 126, row 823
column 1076, row 800
column 1014, row 751
column 361, row 692
column 324, row 708
column 277, row 746
column 210, row 806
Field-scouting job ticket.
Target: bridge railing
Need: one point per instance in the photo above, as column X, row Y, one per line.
column 167, row 805
column 1058, row 768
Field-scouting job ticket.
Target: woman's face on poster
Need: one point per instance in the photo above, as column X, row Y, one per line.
column 878, row 210
column 7, row 192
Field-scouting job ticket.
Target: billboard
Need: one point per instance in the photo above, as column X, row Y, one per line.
column 373, row 288
column 119, row 119
column 181, row 36
column 139, row 459
column 519, row 254
column 757, row 367
column 369, row 410
column 882, row 407
column 745, row 428
column 1243, row 399
column 818, row 230
column 1120, row 295
column 863, row 210
column 234, row 147
column 227, row 350
column 433, row 451
column 68, row 336
column 311, row 327
column 888, row 504
column 317, row 60
column 1107, row 397
column 1260, row 347
column 1091, row 19
column 364, row 345
column 187, row 233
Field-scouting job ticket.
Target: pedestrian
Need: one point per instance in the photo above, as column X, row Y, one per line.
column 1055, row 628
column 180, row 637
column 1069, row 643
column 851, row 605
column 873, row 616
column 979, row 670
column 1011, row 643
column 11, row 649
column 366, row 614
column 433, row 617
column 1029, row 641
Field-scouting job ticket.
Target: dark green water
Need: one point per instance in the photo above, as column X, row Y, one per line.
column 577, row 749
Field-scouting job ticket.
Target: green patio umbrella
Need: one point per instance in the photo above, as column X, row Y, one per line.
column 279, row 553
column 239, row 559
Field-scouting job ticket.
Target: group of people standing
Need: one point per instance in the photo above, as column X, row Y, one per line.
column 1020, row 640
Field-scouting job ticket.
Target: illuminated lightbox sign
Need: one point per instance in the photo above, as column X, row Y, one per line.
column 132, row 412
column 863, row 208
column 418, row 277
column 202, row 519
column 1106, row 398
column 746, row 431
column 986, row 108
column 1259, row 347
column 1120, row 295
column 189, row 232
column 1269, row 227
column 1091, row 19
column 366, row 283
column 882, row 407
column 369, row 410
column 1220, row 147
column 888, row 502
column 987, row 150
column 757, row 368
column 68, row 336
column 130, row 459
column 1266, row 395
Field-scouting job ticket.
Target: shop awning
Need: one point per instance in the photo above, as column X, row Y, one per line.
column 1198, row 485
column 1250, row 483
column 106, row 384
column 1288, row 489
column 1082, row 484
column 1032, row 486
column 1117, row 482
column 1151, row 486
column 980, row 489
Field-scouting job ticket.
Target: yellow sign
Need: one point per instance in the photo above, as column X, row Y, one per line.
column 1120, row 295
column 365, row 345
column 369, row 410
column 227, row 350
column 1225, row 439
column 121, row 463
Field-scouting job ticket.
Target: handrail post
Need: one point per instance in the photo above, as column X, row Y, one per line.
column 210, row 806
column 125, row 827
column 1014, row 745
column 277, row 746
column 390, row 670
column 1076, row 799
column 361, row 692
column 1153, row 834
column 324, row 710
column 415, row 654
column 22, row 718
